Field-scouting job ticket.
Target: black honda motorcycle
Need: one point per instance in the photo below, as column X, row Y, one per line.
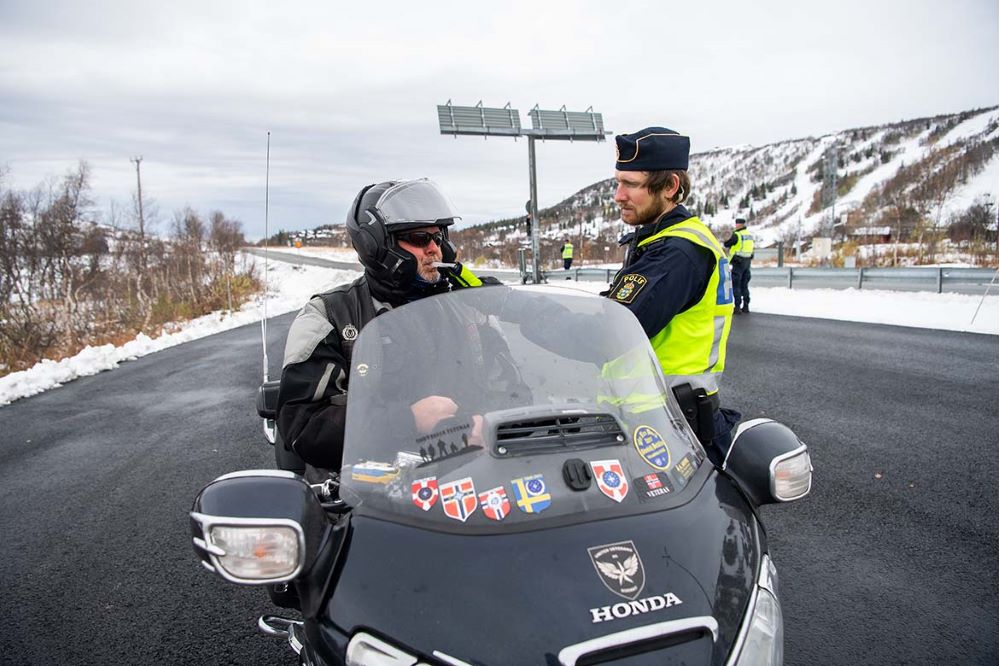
column 563, row 513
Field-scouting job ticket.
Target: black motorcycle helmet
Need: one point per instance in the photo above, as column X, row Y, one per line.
column 381, row 211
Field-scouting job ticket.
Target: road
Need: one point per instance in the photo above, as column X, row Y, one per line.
column 891, row 559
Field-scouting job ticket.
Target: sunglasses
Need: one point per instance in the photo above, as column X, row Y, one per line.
column 421, row 238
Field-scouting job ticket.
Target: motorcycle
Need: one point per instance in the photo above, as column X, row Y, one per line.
column 564, row 514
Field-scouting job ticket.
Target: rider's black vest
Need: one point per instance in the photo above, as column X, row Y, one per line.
column 349, row 305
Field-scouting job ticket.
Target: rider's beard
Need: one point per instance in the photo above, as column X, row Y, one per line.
column 427, row 271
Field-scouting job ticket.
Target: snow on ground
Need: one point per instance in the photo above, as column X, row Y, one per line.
column 920, row 309
column 289, row 287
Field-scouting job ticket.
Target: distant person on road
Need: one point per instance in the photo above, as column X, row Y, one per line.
column 675, row 278
column 740, row 256
column 567, row 255
column 400, row 232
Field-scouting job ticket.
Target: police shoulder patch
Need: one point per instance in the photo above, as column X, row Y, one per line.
column 629, row 287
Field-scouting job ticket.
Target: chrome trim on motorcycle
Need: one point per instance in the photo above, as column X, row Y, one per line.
column 243, row 473
column 289, row 631
column 207, row 547
column 293, row 638
column 270, row 430
column 448, row 659
column 737, row 647
column 746, row 425
column 214, row 552
column 266, row 625
column 570, row 654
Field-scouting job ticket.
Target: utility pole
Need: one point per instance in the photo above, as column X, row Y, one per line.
column 138, row 182
column 142, row 222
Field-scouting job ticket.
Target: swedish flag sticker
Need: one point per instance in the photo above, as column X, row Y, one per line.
column 530, row 494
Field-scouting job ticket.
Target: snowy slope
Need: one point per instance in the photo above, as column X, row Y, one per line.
column 786, row 178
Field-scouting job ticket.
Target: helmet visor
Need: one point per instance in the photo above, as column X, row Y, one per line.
column 415, row 203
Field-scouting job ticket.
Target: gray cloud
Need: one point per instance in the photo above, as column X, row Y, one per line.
column 349, row 91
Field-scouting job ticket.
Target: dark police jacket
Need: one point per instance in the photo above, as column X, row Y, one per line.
column 676, row 271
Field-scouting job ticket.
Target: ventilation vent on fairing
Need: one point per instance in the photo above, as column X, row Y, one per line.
column 557, row 433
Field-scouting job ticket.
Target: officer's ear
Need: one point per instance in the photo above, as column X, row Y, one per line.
column 669, row 192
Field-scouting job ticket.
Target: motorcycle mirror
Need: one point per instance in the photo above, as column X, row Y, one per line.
column 769, row 462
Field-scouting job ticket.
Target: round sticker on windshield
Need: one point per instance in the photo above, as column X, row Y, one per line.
column 651, row 447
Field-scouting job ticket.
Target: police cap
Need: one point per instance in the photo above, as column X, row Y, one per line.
column 652, row 149
column 742, row 221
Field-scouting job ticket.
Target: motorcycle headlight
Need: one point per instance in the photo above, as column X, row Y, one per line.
column 791, row 475
column 763, row 642
column 251, row 550
column 257, row 553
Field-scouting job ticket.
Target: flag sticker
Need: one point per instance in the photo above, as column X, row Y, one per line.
column 652, row 485
column 610, row 478
column 458, row 499
column 425, row 492
column 374, row 472
column 495, row 504
column 530, row 494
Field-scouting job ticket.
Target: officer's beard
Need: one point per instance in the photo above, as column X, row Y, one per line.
column 657, row 209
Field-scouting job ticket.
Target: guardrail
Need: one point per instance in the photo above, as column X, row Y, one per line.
column 956, row 280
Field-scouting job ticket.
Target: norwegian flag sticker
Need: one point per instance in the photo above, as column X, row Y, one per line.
column 425, row 492
column 458, row 499
column 610, row 478
column 495, row 504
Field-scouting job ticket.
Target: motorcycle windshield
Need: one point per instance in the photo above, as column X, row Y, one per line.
column 502, row 408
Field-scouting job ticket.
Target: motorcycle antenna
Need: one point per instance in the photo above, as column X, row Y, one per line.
column 267, row 192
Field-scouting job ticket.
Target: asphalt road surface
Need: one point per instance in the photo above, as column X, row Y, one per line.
column 891, row 559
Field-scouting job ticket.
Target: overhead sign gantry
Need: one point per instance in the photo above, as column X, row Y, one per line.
column 559, row 125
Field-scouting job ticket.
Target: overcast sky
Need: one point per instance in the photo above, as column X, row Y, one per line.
column 349, row 89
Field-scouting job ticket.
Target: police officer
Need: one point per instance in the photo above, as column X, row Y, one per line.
column 400, row 232
column 567, row 255
column 740, row 256
column 675, row 278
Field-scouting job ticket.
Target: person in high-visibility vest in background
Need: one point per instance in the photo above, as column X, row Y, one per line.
column 740, row 255
column 567, row 255
column 675, row 279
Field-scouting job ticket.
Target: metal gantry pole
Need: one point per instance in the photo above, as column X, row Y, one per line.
column 535, row 222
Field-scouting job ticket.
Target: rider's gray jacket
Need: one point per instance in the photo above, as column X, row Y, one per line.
column 312, row 400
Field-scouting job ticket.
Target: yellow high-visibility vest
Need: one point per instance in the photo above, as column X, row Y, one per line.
column 744, row 244
column 692, row 346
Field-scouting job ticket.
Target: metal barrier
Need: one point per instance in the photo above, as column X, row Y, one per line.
column 956, row 280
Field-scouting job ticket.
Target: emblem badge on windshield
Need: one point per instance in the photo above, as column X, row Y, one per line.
column 619, row 567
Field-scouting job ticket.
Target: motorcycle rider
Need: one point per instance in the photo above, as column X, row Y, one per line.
column 400, row 232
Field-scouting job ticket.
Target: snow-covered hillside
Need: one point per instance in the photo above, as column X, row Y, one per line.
column 911, row 174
